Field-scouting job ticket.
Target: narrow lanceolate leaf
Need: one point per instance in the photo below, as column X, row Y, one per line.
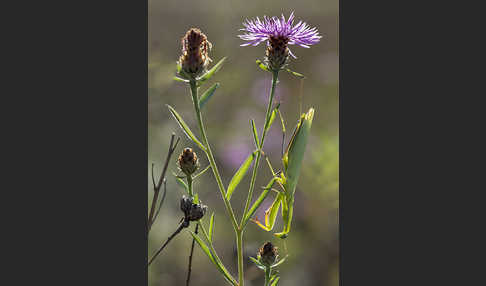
column 296, row 74
column 185, row 128
column 281, row 121
column 183, row 184
column 273, row 277
column 257, row 263
column 274, row 283
column 204, row 247
column 259, row 201
column 273, row 115
column 240, row 174
column 255, row 134
column 196, row 199
column 211, row 228
column 280, row 261
column 180, row 79
column 202, row 172
column 262, row 66
column 212, row 71
column 214, row 259
column 207, row 95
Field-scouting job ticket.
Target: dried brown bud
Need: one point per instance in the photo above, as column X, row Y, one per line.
column 186, row 205
column 267, row 254
column 192, row 212
column 197, row 212
column 188, row 161
column 277, row 52
column 195, row 48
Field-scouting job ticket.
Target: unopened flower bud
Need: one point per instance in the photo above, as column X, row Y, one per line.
column 267, row 254
column 188, row 161
column 277, row 52
column 195, row 48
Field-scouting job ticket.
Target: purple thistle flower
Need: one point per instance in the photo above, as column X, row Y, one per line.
column 274, row 28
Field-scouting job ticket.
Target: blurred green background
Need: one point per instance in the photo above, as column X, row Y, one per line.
column 313, row 243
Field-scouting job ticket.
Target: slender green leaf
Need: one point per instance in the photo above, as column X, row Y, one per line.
column 195, row 199
column 272, row 116
column 204, row 247
column 281, row 121
column 296, row 74
column 259, row 201
column 274, row 283
column 255, row 134
column 180, row 79
column 214, row 259
column 280, row 261
column 257, row 263
column 220, row 265
column 275, row 275
column 202, row 172
column 240, row 174
column 212, row 71
column 207, row 95
column 185, row 128
column 262, row 66
column 211, row 228
column 183, row 184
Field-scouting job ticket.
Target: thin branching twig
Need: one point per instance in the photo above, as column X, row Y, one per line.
column 162, row 200
column 189, row 267
column 157, row 186
column 182, row 225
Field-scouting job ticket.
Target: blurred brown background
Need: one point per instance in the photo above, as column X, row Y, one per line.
column 313, row 241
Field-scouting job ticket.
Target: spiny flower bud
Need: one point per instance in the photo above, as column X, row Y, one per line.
column 188, row 161
column 192, row 211
column 277, row 52
column 195, row 48
column 267, row 254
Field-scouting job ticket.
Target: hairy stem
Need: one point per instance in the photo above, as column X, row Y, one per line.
column 189, row 267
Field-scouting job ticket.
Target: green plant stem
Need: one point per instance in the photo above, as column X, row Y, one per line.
column 239, row 246
column 268, row 273
column 257, row 160
column 209, row 153
column 189, row 185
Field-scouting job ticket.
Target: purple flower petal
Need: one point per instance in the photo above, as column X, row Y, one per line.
column 258, row 31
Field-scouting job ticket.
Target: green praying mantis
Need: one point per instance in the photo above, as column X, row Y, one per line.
column 288, row 179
